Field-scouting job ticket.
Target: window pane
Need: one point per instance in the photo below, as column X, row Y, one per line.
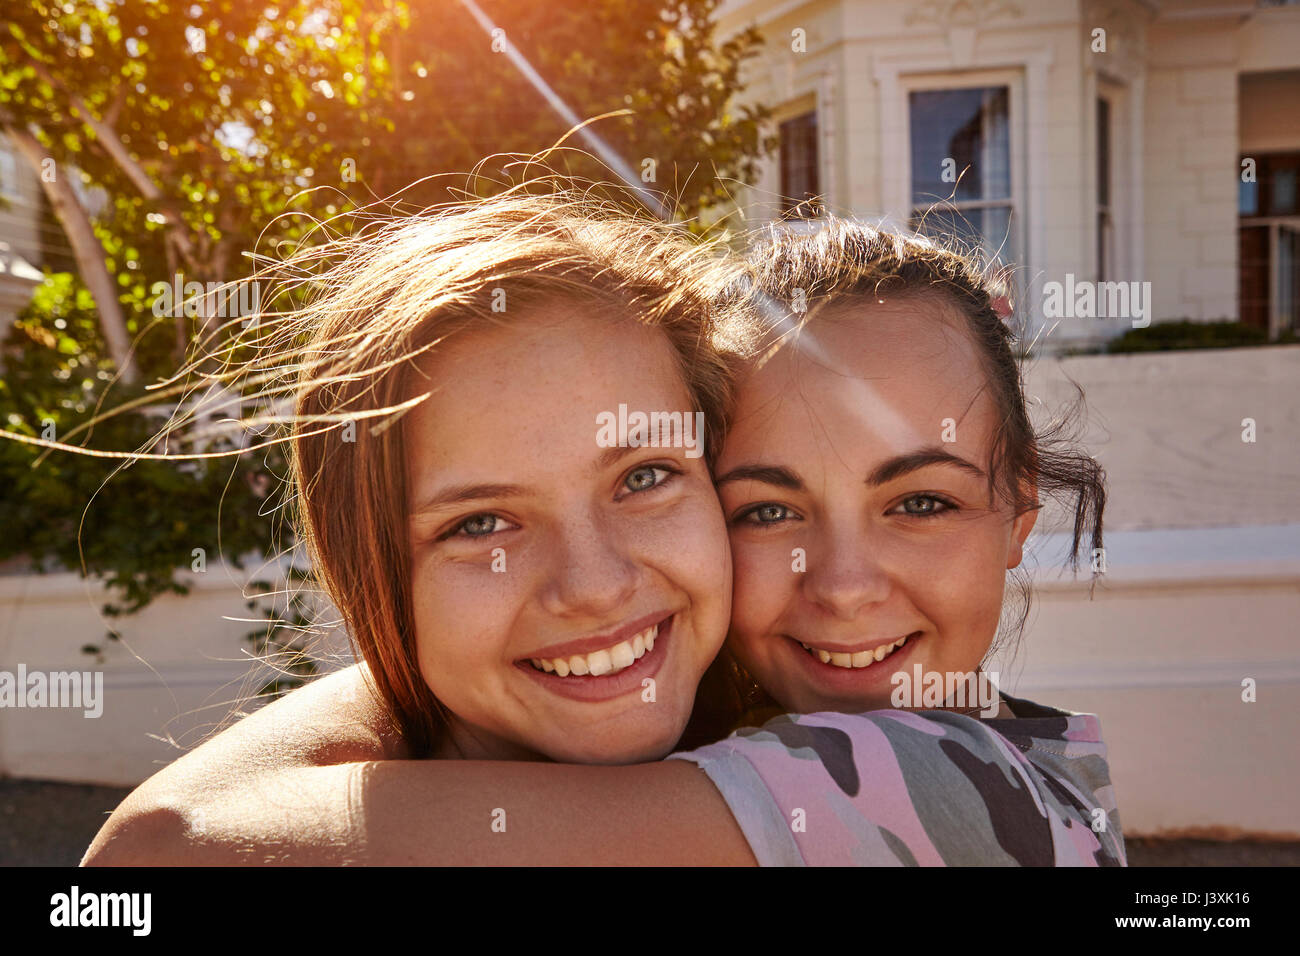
column 799, row 183
column 1281, row 200
column 969, row 127
column 1248, row 199
column 1288, row 276
column 970, row 229
column 8, row 174
column 1254, row 277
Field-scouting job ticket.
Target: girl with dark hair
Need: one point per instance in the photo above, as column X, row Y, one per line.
column 879, row 482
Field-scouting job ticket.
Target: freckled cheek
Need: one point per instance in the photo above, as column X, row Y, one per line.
column 462, row 616
column 687, row 544
column 685, row 547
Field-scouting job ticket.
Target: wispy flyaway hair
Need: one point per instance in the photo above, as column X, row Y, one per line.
column 326, row 370
column 399, row 291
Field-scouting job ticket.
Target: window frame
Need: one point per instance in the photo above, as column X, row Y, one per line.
column 1105, row 205
column 1013, row 80
column 9, row 172
column 1275, row 223
column 790, row 208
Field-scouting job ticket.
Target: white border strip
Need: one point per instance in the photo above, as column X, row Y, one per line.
column 1256, row 554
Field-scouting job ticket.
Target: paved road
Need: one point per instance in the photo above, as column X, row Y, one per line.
column 51, row 824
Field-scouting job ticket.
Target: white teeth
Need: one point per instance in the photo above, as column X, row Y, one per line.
column 857, row 660
column 622, row 655
column 599, row 663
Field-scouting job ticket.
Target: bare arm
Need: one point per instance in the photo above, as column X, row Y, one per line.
column 336, row 719
column 316, row 778
column 421, row 812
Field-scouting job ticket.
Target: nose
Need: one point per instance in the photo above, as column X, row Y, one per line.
column 593, row 571
column 845, row 575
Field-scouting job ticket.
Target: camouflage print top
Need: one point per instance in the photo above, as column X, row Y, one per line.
column 932, row 788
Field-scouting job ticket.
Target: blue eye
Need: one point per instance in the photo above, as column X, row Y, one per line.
column 924, row 506
column 646, row 477
column 765, row 514
column 477, row 526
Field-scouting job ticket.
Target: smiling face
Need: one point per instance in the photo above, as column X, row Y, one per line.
column 556, row 581
column 845, row 472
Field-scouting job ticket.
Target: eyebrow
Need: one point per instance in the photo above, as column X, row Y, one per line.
column 614, row 454
column 896, row 467
column 459, row 494
column 768, row 474
column 905, row 464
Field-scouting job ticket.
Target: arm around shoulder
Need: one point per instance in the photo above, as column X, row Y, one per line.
column 543, row 814
column 316, row 779
column 422, row 812
column 138, row 834
column 334, row 721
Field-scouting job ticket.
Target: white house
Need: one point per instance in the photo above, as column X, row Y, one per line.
column 1104, row 140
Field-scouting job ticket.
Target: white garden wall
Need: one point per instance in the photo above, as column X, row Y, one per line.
column 1201, row 590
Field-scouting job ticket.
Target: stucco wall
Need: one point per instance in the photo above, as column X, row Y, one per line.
column 1202, row 590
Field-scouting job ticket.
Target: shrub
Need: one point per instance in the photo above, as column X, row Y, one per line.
column 1186, row 334
column 133, row 527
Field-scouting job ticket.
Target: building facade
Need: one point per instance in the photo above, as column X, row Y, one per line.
column 1077, row 141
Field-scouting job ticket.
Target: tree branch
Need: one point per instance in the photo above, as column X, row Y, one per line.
column 86, row 248
column 112, row 144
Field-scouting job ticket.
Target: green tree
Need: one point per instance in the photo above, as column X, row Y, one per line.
column 203, row 123
column 202, row 120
